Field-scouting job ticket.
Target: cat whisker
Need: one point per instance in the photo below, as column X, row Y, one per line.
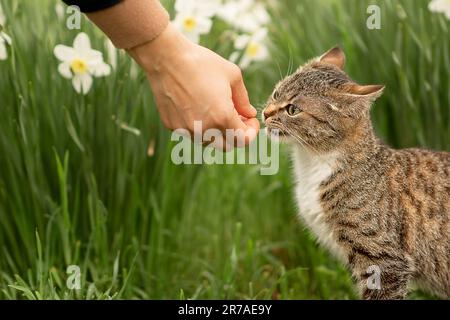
column 279, row 70
column 290, row 64
column 259, row 107
column 281, row 126
column 299, row 139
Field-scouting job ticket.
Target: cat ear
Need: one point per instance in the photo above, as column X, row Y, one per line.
column 334, row 56
column 372, row 91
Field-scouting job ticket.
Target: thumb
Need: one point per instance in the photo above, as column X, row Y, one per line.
column 240, row 98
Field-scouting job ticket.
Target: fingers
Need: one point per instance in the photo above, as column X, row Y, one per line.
column 252, row 124
column 239, row 132
column 240, row 96
column 234, row 118
column 221, row 144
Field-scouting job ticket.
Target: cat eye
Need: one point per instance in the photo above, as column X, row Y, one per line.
column 293, row 110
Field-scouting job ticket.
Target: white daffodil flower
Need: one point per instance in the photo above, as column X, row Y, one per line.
column 193, row 18
column 245, row 15
column 192, row 26
column 442, row 6
column 251, row 47
column 80, row 63
column 200, row 8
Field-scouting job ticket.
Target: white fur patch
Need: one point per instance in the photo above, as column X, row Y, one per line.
column 333, row 107
column 310, row 171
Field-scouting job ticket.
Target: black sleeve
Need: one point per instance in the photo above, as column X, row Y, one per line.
column 92, row 5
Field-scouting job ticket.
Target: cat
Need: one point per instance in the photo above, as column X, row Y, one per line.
column 385, row 213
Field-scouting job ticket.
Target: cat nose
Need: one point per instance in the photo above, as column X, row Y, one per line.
column 269, row 111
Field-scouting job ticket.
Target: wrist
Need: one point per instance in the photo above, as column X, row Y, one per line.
column 131, row 22
column 165, row 48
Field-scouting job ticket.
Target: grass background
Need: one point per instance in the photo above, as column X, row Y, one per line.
column 78, row 189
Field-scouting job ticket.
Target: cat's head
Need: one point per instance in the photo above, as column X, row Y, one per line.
column 319, row 106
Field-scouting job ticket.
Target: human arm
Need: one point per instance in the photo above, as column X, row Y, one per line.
column 190, row 83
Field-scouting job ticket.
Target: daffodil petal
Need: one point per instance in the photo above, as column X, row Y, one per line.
column 242, row 41
column 245, row 62
column 263, row 53
column 106, row 70
column 76, row 82
column 178, row 22
column 179, row 18
column 64, row 53
column 197, row 8
column 185, row 6
column 193, row 36
column 86, row 82
column 177, row 25
column 208, row 8
column 437, row 5
column 248, row 23
column 203, row 25
column 440, row 6
column 234, row 56
column 93, row 56
column 82, row 83
column 82, row 44
column 261, row 14
column 245, row 15
column 101, row 70
column 64, row 70
column 260, row 35
column 229, row 12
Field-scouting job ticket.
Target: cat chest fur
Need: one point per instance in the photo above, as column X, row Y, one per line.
column 310, row 171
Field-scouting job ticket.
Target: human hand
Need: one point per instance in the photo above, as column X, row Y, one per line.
column 192, row 83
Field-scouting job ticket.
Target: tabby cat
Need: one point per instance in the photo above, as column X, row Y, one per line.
column 375, row 208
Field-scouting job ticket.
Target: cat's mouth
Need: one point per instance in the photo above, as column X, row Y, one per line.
column 274, row 128
column 275, row 132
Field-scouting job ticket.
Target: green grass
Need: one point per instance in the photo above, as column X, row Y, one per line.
column 77, row 189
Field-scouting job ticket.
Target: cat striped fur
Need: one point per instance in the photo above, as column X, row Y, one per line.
column 369, row 204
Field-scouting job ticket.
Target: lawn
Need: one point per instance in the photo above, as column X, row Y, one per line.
column 88, row 180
